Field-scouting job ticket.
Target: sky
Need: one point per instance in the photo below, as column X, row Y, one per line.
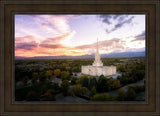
column 76, row 35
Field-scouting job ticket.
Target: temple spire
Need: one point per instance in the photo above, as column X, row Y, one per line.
column 97, row 45
column 97, row 61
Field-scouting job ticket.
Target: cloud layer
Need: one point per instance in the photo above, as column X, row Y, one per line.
column 53, row 35
column 117, row 21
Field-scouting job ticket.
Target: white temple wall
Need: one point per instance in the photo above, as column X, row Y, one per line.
column 97, row 71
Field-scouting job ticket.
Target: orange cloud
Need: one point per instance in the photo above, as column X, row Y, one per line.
column 55, row 40
column 27, row 46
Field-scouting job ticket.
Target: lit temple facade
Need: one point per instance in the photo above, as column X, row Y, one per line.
column 97, row 68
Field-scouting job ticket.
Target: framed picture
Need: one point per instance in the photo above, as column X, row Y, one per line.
column 80, row 58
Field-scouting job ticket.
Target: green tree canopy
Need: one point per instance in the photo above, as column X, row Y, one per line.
column 65, row 86
column 93, row 83
column 57, row 72
column 102, row 97
column 121, row 95
column 130, row 94
column 78, row 90
column 85, row 82
column 73, row 80
column 65, row 75
column 92, row 92
column 80, row 79
column 48, row 73
column 49, row 95
column 114, row 83
column 102, row 84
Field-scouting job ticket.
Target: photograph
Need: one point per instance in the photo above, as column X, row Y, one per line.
column 79, row 57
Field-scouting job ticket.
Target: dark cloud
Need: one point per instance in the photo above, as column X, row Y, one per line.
column 140, row 37
column 116, row 16
column 119, row 25
column 106, row 18
column 26, row 46
column 120, row 19
column 29, row 43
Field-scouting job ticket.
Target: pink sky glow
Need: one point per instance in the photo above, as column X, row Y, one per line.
column 75, row 35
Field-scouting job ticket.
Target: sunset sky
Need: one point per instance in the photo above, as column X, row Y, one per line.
column 75, row 35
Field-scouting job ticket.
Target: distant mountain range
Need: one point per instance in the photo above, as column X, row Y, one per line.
column 110, row 55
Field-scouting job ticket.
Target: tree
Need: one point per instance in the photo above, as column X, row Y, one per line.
column 137, row 88
column 32, row 96
column 78, row 90
column 65, row 75
column 34, row 77
column 73, row 81
column 49, row 95
column 121, row 95
column 121, row 68
column 57, row 72
column 130, row 94
column 93, row 83
column 55, row 86
column 25, row 79
column 80, row 79
column 48, row 73
column 65, row 86
column 92, row 92
column 102, row 84
column 102, row 97
column 114, row 83
column 85, row 82
column 42, row 76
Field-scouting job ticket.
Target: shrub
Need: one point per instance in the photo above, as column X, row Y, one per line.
column 92, row 92
column 121, row 95
column 137, row 88
column 78, row 90
column 49, row 95
column 102, row 97
column 130, row 94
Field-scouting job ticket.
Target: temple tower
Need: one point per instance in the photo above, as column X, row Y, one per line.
column 97, row 61
column 97, row 68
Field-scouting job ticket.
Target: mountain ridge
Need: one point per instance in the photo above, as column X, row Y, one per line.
column 110, row 55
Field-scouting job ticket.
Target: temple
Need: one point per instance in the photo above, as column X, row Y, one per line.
column 97, row 68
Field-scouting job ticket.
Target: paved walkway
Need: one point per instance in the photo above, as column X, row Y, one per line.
column 61, row 98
